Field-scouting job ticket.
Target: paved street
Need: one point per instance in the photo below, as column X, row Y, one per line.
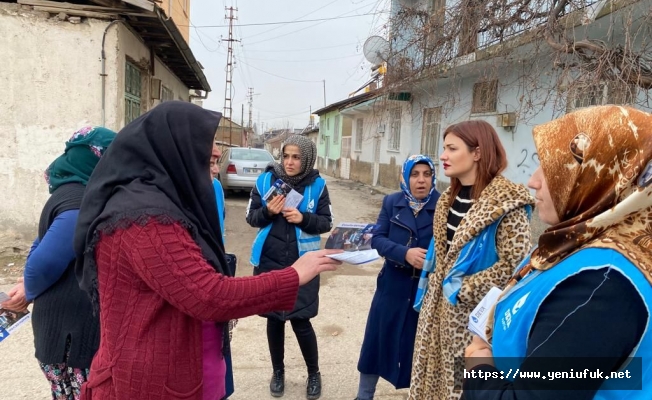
column 344, row 301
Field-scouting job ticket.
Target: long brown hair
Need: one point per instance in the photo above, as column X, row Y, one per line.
column 493, row 160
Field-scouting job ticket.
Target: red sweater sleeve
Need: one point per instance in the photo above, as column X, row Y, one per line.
column 171, row 264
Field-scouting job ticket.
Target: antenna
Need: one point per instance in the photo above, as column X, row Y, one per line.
column 376, row 50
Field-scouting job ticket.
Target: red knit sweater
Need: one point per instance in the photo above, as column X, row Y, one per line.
column 155, row 289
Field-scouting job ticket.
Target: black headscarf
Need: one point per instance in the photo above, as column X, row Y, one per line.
column 157, row 167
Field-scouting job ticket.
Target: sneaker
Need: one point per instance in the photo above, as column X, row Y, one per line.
column 313, row 388
column 277, row 384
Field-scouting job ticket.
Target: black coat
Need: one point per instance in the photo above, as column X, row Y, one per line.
column 392, row 323
column 280, row 249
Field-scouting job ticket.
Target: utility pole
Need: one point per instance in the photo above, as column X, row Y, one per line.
column 250, row 94
column 324, row 92
column 244, row 130
column 228, row 88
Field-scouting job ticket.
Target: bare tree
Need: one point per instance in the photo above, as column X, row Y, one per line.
column 435, row 41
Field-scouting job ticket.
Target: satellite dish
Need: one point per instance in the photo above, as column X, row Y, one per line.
column 376, row 50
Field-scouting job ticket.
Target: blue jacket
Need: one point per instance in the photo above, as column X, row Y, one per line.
column 392, row 322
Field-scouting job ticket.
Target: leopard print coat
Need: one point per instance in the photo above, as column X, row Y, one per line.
column 442, row 335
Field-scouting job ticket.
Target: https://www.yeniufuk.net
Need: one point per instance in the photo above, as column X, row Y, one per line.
column 513, row 374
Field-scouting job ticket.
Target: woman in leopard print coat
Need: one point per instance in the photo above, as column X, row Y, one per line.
column 473, row 158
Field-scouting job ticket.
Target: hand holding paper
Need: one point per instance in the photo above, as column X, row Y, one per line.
column 355, row 240
column 480, row 314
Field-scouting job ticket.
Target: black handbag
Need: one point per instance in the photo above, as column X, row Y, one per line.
column 231, row 263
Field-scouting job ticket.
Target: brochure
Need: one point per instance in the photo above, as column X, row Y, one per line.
column 355, row 240
column 10, row 320
column 480, row 314
column 292, row 197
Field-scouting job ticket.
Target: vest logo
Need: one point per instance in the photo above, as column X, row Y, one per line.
column 311, row 205
column 507, row 319
column 519, row 303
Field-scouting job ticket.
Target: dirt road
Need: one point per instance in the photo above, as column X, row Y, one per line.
column 344, row 301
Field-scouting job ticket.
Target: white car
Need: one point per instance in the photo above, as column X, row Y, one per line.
column 240, row 167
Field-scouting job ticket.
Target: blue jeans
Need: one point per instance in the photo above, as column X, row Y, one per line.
column 367, row 386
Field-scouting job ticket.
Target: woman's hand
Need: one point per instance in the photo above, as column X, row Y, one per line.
column 477, row 353
column 292, row 215
column 276, row 205
column 17, row 301
column 311, row 264
column 416, row 257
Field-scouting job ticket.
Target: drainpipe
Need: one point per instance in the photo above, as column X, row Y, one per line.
column 103, row 74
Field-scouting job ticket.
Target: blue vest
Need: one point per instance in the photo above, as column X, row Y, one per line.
column 477, row 255
column 516, row 311
column 305, row 242
column 219, row 197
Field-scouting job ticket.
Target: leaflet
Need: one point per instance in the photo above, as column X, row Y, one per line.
column 480, row 314
column 280, row 188
column 10, row 320
column 355, row 240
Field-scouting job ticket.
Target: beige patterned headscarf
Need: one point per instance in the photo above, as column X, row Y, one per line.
column 597, row 163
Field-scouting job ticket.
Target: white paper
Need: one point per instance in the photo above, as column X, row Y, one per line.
column 480, row 314
column 356, row 257
column 293, row 199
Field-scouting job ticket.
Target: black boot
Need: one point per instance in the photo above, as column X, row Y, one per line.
column 277, row 384
column 313, row 389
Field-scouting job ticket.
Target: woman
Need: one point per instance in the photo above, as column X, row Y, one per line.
column 285, row 234
column 480, row 210
column 403, row 233
column 66, row 333
column 151, row 256
column 582, row 303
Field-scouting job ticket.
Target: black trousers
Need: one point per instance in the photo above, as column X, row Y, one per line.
column 305, row 336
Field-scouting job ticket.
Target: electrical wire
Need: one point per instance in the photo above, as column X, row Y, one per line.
column 282, row 22
column 305, row 15
column 281, row 77
column 302, row 29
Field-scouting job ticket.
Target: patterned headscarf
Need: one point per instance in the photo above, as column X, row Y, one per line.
column 410, row 162
column 308, row 152
column 598, row 165
column 83, row 152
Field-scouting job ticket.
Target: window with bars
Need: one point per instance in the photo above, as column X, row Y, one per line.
column 394, row 141
column 133, row 86
column 166, row 94
column 430, row 132
column 359, row 124
column 336, row 128
column 485, row 97
column 601, row 93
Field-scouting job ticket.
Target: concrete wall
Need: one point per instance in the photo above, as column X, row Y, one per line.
column 179, row 10
column 52, row 87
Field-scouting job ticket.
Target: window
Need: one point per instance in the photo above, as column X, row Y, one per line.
column 485, row 97
column 358, row 133
column 251, row 155
column 132, row 92
column 394, row 142
column 336, row 134
column 601, row 93
column 166, row 94
column 328, row 123
column 430, row 132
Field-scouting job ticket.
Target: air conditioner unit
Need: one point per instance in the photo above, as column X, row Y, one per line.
column 507, row 120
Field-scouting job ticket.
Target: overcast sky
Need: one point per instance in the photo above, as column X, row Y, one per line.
column 285, row 63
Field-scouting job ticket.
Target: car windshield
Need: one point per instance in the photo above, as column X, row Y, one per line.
column 250, row 155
